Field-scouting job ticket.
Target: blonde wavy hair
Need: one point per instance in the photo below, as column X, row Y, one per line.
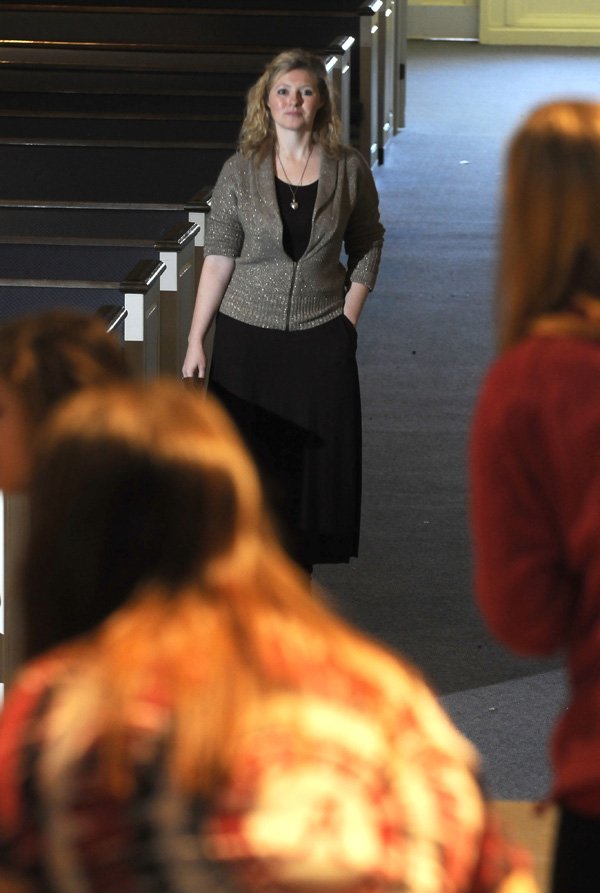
column 550, row 244
column 257, row 135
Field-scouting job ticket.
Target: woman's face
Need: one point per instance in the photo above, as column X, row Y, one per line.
column 16, row 432
column 294, row 100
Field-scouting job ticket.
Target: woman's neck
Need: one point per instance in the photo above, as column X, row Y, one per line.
column 294, row 146
column 297, row 162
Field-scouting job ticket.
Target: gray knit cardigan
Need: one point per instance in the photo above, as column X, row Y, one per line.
column 268, row 288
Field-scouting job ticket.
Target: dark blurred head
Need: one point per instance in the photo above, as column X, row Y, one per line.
column 44, row 358
column 137, row 486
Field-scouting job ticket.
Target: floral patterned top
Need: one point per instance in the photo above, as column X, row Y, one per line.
column 325, row 794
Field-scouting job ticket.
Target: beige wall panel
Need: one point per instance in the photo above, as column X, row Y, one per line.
column 541, row 22
column 455, row 19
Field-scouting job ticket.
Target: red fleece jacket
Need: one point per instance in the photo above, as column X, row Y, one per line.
column 535, row 511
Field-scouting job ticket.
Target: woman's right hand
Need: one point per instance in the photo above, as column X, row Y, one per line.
column 194, row 364
column 217, row 270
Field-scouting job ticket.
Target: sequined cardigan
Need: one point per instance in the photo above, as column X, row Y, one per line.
column 268, row 288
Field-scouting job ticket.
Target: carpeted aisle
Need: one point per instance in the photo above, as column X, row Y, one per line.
column 425, row 340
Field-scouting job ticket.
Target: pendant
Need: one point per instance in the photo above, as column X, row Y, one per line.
column 294, row 205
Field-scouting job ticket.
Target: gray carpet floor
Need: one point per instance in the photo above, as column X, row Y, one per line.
column 425, row 340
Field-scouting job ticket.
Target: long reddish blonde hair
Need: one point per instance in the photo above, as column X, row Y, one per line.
column 550, row 248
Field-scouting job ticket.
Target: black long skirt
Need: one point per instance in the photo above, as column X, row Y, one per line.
column 295, row 399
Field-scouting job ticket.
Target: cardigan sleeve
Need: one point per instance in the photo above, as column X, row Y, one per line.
column 522, row 581
column 363, row 239
column 224, row 232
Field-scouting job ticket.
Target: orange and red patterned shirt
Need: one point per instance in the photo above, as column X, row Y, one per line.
column 323, row 796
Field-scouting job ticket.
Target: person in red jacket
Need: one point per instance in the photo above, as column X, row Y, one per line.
column 535, row 450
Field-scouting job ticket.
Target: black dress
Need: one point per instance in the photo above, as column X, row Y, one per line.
column 295, row 398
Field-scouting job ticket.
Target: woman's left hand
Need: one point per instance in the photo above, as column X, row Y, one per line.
column 355, row 299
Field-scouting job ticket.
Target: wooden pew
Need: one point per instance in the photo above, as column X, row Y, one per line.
column 137, row 292
column 113, row 174
column 174, row 229
column 209, row 63
column 144, row 209
column 155, row 212
column 378, row 26
column 30, row 237
column 195, row 39
column 112, row 181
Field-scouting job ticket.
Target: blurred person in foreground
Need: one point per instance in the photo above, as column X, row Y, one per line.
column 45, row 357
column 535, row 453
column 192, row 716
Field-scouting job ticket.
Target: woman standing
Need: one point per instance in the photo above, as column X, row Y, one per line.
column 536, row 450
column 284, row 359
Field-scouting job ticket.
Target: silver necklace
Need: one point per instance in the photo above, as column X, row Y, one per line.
column 294, row 189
